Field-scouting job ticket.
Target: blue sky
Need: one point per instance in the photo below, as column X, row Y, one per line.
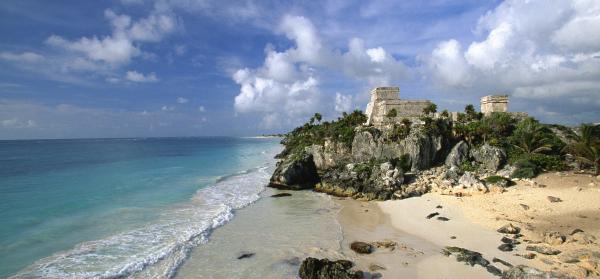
column 129, row 68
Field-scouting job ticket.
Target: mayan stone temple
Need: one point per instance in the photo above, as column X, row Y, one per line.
column 386, row 99
column 494, row 103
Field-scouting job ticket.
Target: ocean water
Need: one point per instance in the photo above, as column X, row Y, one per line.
column 137, row 208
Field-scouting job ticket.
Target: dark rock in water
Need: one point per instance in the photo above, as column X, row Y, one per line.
column 493, row 270
column 431, row 215
column 453, row 237
column 442, row 218
column 543, row 250
column 438, row 207
column 361, row 247
column 245, row 256
column 467, row 256
column 281, row 195
column 554, row 199
column 509, row 229
column 506, row 247
column 525, row 272
column 295, row 173
column 490, row 157
column 496, row 260
column 312, row 268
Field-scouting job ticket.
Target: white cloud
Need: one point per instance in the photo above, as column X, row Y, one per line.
column 285, row 89
column 343, row 103
column 28, row 57
column 544, row 51
column 167, row 108
column 135, row 76
column 181, row 100
column 201, row 109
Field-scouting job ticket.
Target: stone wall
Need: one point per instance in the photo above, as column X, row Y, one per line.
column 384, row 99
column 494, row 103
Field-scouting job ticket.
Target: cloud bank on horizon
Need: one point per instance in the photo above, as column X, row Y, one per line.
column 191, row 67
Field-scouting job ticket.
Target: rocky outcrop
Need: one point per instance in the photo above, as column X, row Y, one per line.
column 329, row 155
column 458, row 154
column 372, row 144
column 525, row 272
column 312, row 268
column 367, row 181
column 295, row 173
column 471, row 183
column 491, row 158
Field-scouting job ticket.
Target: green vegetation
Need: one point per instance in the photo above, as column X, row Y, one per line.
column 586, row 147
column 495, row 179
column 525, row 169
column 340, row 130
column 431, row 108
column 392, row 113
column 467, row 166
column 531, row 137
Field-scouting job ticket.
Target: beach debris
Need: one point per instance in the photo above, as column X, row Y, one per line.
column 509, row 240
column 438, row 207
column 529, row 256
column 509, row 229
column 245, row 255
column 576, row 231
column 524, row 206
column 506, row 247
column 281, row 195
column 375, row 267
column 505, row 263
column 361, row 247
column 554, row 199
column 554, row 238
column 431, row 215
column 453, row 237
column 312, row 268
column 471, row 258
column 387, row 244
column 441, row 218
column 543, row 249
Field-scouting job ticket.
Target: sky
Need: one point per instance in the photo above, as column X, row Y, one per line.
column 156, row 68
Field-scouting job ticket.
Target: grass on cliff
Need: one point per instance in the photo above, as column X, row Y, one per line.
column 340, row 130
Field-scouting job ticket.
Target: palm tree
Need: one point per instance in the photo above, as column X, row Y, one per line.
column 586, row 148
column 318, row 117
column 531, row 137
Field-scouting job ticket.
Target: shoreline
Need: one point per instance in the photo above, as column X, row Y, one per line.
column 473, row 222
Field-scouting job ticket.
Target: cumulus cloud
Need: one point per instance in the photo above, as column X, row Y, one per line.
column 286, row 87
column 538, row 50
column 181, row 100
column 201, row 109
column 343, row 103
column 135, row 76
column 17, row 123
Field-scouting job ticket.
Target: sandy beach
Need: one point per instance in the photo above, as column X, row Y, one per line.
column 472, row 224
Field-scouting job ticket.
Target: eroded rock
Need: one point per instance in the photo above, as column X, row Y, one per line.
column 361, row 247
column 312, row 268
column 509, row 229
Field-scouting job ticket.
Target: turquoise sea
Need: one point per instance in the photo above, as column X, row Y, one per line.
column 109, row 208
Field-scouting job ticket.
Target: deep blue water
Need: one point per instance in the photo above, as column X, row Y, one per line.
column 58, row 194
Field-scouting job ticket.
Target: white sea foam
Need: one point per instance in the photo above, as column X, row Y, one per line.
column 157, row 249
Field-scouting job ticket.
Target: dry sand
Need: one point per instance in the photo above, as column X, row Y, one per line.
column 473, row 221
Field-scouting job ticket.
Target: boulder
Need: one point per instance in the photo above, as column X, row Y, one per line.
column 554, row 238
column 295, row 173
column 509, row 229
column 361, row 247
column 543, row 250
column 507, row 171
column 490, row 157
column 470, row 181
column 312, row 268
column 525, row 272
column 458, row 154
column 330, row 154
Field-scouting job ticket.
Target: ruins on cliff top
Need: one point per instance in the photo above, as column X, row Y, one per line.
column 386, row 99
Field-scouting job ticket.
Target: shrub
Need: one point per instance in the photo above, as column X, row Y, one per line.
column 525, row 169
column 392, row 113
column 467, row 166
column 547, row 162
column 403, row 162
column 399, row 132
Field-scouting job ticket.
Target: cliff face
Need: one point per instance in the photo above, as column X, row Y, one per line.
column 372, row 167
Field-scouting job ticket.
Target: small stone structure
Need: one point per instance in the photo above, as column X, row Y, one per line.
column 385, row 99
column 494, row 103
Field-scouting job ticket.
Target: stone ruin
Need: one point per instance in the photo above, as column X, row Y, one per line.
column 494, row 103
column 385, row 99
